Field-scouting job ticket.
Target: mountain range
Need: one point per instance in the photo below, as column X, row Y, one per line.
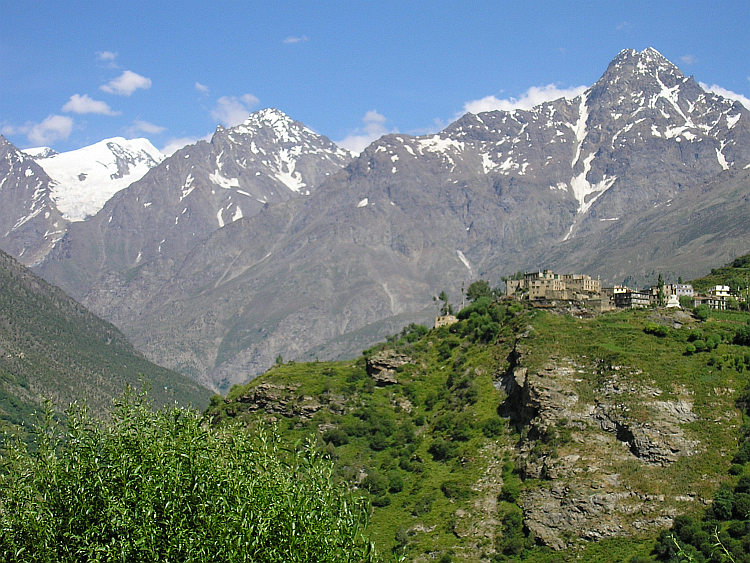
column 269, row 240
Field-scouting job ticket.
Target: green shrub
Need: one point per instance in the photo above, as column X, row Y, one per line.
column 423, row 504
column 656, row 329
column 701, row 312
column 511, row 491
column 742, row 336
column 164, row 486
column 456, row 490
column 442, row 450
column 395, row 482
column 492, row 427
column 723, row 503
column 335, row 436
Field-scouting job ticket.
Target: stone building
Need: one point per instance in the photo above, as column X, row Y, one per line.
column 546, row 284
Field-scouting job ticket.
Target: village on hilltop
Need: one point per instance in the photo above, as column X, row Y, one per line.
column 547, row 289
column 546, row 286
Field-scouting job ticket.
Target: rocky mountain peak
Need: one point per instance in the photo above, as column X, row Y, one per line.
column 30, row 224
column 270, row 129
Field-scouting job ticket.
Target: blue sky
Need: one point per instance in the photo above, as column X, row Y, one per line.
column 73, row 73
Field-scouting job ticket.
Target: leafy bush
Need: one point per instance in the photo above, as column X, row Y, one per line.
column 423, row 504
column 442, row 450
column 493, row 427
column 454, row 489
column 742, row 336
column 335, row 436
column 164, row 486
column 656, row 329
column 701, row 312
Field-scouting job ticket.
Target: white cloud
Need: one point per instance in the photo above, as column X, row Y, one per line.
column 85, row 104
column 175, row 144
column 52, row 128
column 744, row 100
column 106, row 56
column 202, row 88
column 688, row 59
column 530, row 98
column 140, row 126
column 373, row 128
column 127, row 83
column 296, row 39
column 231, row 110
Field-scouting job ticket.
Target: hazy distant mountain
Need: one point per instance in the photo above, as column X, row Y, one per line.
column 598, row 182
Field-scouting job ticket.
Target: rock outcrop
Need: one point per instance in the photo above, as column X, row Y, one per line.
column 578, row 446
column 382, row 366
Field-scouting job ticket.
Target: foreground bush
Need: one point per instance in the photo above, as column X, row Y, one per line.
column 163, row 486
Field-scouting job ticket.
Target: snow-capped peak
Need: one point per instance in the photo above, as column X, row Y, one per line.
column 40, row 152
column 84, row 179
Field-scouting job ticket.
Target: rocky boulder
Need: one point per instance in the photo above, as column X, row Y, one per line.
column 382, row 366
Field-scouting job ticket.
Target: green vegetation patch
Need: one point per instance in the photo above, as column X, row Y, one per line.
column 163, row 486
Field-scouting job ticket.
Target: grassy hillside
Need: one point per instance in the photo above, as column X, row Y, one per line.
column 52, row 347
column 736, row 274
column 520, row 434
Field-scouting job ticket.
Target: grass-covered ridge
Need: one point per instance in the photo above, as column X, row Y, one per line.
column 52, row 347
column 442, row 467
column 736, row 275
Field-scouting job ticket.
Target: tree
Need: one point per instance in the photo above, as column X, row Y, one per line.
column 660, row 285
column 477, row 289
column 165, row 486
column 446, row 308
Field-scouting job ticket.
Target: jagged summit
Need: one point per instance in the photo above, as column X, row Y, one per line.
column 271, row 126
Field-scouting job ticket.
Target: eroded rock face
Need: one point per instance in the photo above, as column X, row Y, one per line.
column 280, row 400
column 382, row 366
column 575, row 445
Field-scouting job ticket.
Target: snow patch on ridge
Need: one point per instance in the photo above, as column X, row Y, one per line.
column 224, row 182
column 465, row 261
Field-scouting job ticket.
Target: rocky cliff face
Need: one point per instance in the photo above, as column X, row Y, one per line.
column 587, row 446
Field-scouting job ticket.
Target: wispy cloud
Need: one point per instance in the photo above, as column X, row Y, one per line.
column 106, row 56
column 688, row 59
column 232, row 110
column 716, row 89
column 296, row 39
column 530, row 98
column 373, row 127
column 52, row 128
column 202, row 88
column 139, row 126
column 127, row 83
column 83, row 104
